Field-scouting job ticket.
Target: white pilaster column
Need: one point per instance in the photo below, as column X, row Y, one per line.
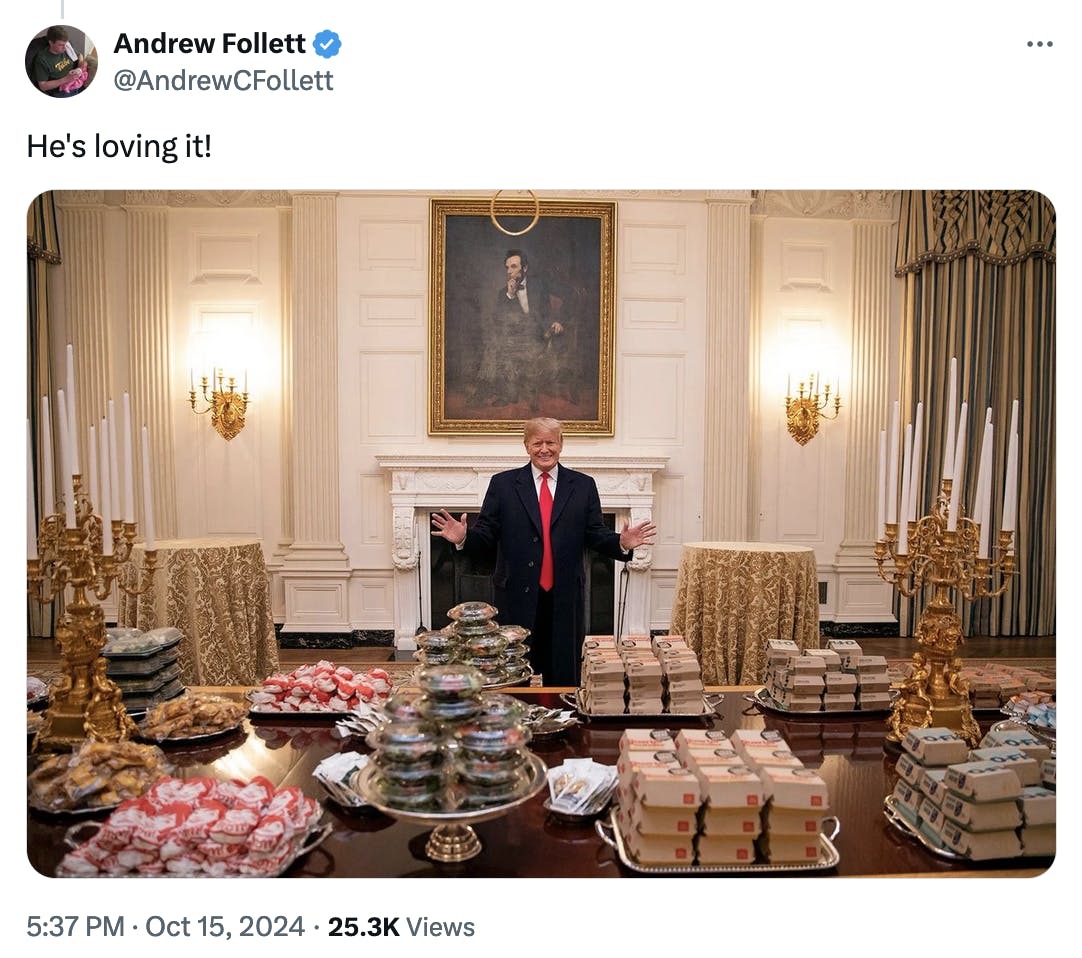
column 862, row 595
column 83, row 235
column 728, row 368
column 149, row 362
column 315, row 571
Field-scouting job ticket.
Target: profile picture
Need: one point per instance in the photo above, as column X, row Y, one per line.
column 61, row 61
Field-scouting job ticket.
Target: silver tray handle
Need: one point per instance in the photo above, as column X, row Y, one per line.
column 713, row 702
column 837, row 826
column 604, row 832
column 70, row 838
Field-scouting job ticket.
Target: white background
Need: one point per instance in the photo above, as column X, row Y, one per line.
column 693, row 95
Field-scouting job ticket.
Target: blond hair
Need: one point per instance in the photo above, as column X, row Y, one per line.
column 542, row 424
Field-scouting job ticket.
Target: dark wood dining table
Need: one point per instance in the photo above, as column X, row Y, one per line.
column 851, row 755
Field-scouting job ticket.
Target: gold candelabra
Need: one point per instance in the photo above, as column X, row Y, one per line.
column 226, row 406
column 936, row 695
column 85, row 702
column 802, row 414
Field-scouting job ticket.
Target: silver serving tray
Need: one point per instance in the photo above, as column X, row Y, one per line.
column 609, row 832
column 902, row 824
column 764, row 700
column 1018, row 719
column 710, row 707
column 302, row 844
column 191, row 740
column 318, row 717
column 537, row 780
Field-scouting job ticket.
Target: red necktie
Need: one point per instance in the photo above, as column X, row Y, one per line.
column 545, row 502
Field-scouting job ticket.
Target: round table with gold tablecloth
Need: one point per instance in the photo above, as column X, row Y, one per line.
column 217, row 593
column 731, row 597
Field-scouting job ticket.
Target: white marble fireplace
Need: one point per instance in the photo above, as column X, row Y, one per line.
column 422, row 484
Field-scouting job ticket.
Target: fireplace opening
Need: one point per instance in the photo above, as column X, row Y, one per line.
column 456, row 578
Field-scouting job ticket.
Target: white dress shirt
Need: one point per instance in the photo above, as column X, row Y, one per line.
column 537, row 480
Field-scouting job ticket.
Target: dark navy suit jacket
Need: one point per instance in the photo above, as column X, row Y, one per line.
column 510, row 525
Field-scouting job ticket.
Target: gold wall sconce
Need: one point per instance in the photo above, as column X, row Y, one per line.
column 803, row 412
column 226, row 406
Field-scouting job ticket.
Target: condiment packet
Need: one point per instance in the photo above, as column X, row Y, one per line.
column 334, row 773
column 580, row 785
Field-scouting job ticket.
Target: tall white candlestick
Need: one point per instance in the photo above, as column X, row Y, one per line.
column 959, row 470
column 881, row 488
column 62, row 433
column 31, row 515
column 48, row 506
column 148, row 501
column 892, row 469
column 1014, row 418
column 903, row 524
column 1010, row 486
column 106, row 490
column 129, row 475
column 92, row 455
column 67, row 487
column 914, row 466
column 73, row 429
column 984, row 495
column 952, row 400
column 114, row 468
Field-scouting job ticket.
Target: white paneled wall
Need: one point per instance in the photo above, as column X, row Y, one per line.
column 225, row 309
column 229, row 273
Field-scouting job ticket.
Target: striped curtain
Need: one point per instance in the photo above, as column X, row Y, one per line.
column 979, row 272
column 42, row 250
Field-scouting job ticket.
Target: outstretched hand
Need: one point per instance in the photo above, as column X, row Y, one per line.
column 641, row 534
column 446, row 526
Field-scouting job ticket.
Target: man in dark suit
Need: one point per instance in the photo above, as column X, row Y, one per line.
column 539, row 581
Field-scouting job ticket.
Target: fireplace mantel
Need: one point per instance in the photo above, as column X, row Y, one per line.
column 421, row 484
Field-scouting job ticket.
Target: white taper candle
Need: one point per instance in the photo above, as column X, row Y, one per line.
column 92, row 457
column 959, row 470
column 73, row 429
column 114, row 467
column 129, row 474
column 31, row 513
column 106, row 491
column 983, row 507
column 48, row 506
column 903, row 523
column 148, row 501
column 914, row 466
column 952, row 400
column 881, row 488
column 892, row 469
column 1010, row 485
column 67, row 488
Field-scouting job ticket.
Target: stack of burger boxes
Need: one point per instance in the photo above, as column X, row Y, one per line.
column 796, row 800
column 873, row 682
column 640, row 676
column 839, row 687
column 982, row 804
column 643, row 672
column 709, row 799
column 796, row 682
column 730, row 818
column 658, row 799
column 603, row 684
column 682, row 675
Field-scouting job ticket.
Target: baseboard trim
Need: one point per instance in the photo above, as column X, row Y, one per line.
column 849, row 630
column 355, row 639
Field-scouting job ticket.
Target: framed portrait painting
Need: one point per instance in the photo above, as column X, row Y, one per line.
column 522, row 315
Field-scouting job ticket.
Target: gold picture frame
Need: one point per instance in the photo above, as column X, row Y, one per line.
column 497, row 358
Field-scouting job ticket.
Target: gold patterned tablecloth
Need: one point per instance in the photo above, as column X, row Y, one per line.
column 217, row 593
column 731, row 597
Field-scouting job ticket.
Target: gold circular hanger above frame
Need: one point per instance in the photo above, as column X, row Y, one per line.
column 533, row 222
